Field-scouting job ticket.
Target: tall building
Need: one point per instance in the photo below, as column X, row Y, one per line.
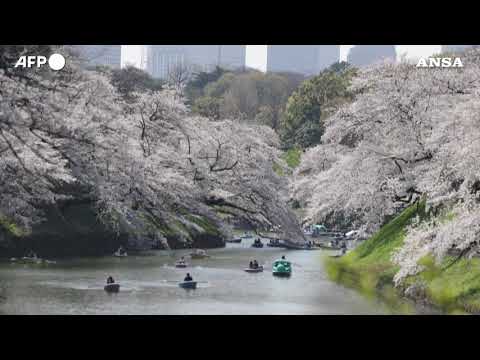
column 302, row 59
column 107, row 55
column 232, row 56
column 201, row 57
column 447, row 48
column 364, row 55
column 163, row 58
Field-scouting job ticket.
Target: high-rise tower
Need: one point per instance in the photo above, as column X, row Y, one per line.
column 302, row 59
column 107, row 55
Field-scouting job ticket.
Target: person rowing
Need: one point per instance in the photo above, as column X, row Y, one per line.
column 31, row 255
column 111, row 286
column 188, row 282
column 344, row 248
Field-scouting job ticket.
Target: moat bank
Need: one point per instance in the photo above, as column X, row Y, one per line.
column 452, row 287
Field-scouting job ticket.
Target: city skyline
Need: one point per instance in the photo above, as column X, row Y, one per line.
column 162, row 59
column 256, row 55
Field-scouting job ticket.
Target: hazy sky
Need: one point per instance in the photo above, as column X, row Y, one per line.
column 257, row 54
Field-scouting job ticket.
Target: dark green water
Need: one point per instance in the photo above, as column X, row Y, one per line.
column 148, row 286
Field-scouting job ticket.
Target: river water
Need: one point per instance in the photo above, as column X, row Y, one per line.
column 148, row 285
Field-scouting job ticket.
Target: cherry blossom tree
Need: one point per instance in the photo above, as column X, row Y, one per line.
column 73, row 129
column 410, row 132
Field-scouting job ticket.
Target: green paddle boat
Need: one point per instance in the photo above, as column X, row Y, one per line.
column 282, row 267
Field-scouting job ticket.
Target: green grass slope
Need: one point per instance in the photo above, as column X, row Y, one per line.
column 368, row 268
column 452, row 286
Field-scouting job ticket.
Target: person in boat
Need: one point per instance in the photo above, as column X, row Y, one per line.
column 251, row 265
column 344, row 247
column 283, row 257
column 255, row 264
column 121, row 250
column 110, row 280
column 188, row 277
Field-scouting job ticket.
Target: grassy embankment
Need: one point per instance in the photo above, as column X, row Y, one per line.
column 452, row 286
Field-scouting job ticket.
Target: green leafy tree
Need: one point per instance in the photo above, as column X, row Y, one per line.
column 245, row 95
column 312, row 102
column 208, row 106
column 131, row 79
column 199, row 80
column 219, row 87
column 265, row 116
column 340, row 67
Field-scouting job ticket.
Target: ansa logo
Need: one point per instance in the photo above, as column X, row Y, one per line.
column 440, row 62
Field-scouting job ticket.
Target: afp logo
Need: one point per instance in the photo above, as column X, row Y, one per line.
column 55, row 61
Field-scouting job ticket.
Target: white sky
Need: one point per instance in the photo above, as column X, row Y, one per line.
column 256, row 57
column 257, row 54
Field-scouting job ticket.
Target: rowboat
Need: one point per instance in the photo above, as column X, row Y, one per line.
column 257, row 244
column 112, row 288
column 293, row 246
column 275, row 243
column 188, row 285
column 252, row 270
column 328, row 247
column 32, row 260
column 247, row 236
column 199, row 254
column 119, row 254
